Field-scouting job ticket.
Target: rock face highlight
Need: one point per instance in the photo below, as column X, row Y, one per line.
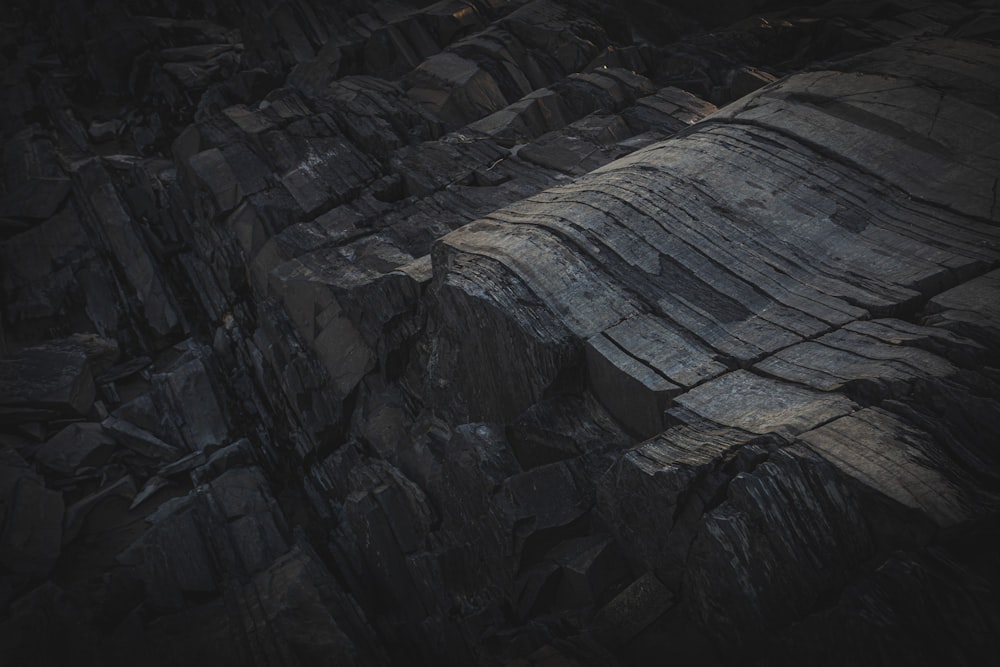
column 499, row 333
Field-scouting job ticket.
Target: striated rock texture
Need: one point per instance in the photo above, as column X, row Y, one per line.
column 506, row 332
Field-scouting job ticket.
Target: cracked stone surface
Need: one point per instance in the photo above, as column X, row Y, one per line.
column 507, row 332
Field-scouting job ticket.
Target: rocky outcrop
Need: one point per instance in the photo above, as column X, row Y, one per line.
column 499, row 333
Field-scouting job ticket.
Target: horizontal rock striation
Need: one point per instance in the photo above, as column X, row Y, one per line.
column 499, row 333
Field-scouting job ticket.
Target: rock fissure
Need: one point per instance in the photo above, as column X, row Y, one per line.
column 422, row 333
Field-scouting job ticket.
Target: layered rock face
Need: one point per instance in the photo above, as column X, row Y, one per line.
column 499, row 333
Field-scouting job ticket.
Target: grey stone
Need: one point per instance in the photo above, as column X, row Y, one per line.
column 77, row 445
column 237, row 454
column 32, row 535
column 746, row 80
column 530, row 354
column 76, row 514
column 141, row 441
column 788, row 512
column 635, row 608
column 191, row 399
column 47, row 377
column 108, row 218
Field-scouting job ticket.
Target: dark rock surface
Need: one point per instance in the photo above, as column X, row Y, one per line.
column 507, row 332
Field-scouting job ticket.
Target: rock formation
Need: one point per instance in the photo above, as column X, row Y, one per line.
column 499, row 332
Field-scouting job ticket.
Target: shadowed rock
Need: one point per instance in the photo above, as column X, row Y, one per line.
column 509, row 332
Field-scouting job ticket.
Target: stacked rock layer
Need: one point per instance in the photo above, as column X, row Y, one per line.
column 500, row 333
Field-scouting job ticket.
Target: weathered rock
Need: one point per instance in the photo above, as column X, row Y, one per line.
column 970, row 308
column 819, row 540
column 141, row 441
column 495, row 392
column 149, row 489
column 957, row 124
column 102, row 353
column 635, row 608
column 870, row 442
column 436, row 333
column 77, row 513
column 171, row 559
column 228, row 526
column 294, row 600
column 562, row 233
column 709, row 307
column 45, row 283
column 761, row 405
column 191, row 400
column 26, row 635
column 13, row 467
column 563, row 427
column 147, row 411
column 655, row 495
column 545, row 506
column 236, row 455
column 109, row 220
column 638, row 366
column 876, row 611
column 49, row 377
column 32, row 528
column 746, row 80
column 36, row 184
column 77, row 445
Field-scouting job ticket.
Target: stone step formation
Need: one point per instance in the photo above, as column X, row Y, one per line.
column 502, row 332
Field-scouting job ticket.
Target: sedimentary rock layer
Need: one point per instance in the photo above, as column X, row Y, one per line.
column 499, row 332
